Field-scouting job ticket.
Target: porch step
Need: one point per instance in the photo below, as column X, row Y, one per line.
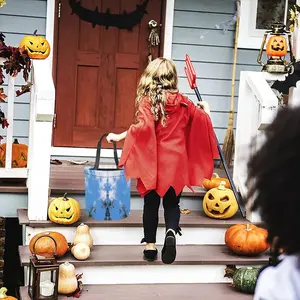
column 197, row 228
column 125, row 265
column 193, row 219
column 213, row 291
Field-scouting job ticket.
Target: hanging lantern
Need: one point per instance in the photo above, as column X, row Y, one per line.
column 276, row 49
column 43, row 275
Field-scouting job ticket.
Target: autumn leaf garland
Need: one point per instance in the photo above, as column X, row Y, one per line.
column 16, row 60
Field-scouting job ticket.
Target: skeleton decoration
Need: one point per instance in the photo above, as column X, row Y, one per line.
column 153, row 38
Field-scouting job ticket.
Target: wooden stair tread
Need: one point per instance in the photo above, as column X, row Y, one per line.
column 215, row 291
column 194, row 219
column 68, row 178
column 104, row 255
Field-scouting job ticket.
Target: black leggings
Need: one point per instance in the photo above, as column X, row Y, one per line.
column 150, row 215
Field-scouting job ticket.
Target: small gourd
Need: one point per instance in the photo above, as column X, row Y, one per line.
column 67, row 281
column 81, row 251
column 83, row 235
column 3, row 295
column 214, row 182
column 244, row 279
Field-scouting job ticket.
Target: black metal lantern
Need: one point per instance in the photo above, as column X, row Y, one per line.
column 276, row 50
column 43, row 275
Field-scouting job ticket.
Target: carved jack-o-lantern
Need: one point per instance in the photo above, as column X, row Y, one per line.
column 64, row 210
column 220, row 203
column 37, row 46
column 276, row 46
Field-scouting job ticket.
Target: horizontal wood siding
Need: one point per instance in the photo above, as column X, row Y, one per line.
column 19, row 18
column 211, row 51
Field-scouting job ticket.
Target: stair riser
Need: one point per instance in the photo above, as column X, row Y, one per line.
column 151, row 274
column 133, row 235
column 192, row 203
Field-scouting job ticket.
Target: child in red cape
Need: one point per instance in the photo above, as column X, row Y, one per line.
column 171, row 146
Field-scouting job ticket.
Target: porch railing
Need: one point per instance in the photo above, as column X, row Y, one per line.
column 42, row 100
column 257, row 107
column 8, row 171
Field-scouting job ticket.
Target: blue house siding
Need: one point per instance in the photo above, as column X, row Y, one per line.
column 19, row 18
column 212, row 55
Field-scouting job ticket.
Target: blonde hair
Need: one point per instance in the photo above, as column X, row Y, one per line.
column 159, row 77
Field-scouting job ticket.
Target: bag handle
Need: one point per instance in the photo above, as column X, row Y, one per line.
column 98, row 154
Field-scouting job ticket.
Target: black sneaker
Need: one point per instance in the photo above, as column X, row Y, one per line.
column 150, row 255
column 168, row 253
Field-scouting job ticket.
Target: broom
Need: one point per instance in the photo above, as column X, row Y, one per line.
column 191, row 77
column 228, row 146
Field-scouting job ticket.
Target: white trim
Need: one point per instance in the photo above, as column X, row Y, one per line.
column 13, row 173
column 50, row 27
column 168, row 33
column 167, row 52
column 249, row 36
column 81, row 152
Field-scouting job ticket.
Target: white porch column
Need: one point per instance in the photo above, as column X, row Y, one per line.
column 294, row 98
column 257, row 106
column 40, row 137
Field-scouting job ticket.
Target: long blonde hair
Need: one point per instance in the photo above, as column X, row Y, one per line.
column 159, row 77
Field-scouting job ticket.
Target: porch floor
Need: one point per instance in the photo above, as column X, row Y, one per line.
column 69, row 178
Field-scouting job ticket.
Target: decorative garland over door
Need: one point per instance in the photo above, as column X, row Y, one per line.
column 121, row 21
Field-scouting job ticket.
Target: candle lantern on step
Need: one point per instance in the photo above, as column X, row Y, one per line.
column 43, row 275
column 276, row 49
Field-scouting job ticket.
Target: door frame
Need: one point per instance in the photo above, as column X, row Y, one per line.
column 51, row 36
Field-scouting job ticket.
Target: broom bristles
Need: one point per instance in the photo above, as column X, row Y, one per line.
column 228, row 146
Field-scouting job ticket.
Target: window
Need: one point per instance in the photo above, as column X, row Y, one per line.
column 257, row 16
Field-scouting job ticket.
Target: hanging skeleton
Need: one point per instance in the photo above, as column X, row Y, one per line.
column 153, row 38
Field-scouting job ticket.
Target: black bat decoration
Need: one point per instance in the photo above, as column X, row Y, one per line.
column 121, row 21
column 290, row 81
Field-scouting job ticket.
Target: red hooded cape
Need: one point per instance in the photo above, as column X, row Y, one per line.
column 177, row 155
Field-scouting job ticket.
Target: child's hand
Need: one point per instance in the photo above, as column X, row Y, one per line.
column 112, row 137
column 204, row 105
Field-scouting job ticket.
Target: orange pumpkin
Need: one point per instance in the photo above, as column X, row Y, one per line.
column 3, row 295
column 246, row 239
column 45, row 246
column 214, row 182
column 276, row 46
column 19, row 155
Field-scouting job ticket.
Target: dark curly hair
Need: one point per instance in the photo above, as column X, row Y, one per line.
column 273, row 174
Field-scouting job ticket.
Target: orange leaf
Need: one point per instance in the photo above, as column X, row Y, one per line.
column 2, row 95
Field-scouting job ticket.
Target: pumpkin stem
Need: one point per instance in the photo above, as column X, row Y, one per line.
column 222, row 186
column 230, row 270
column 3, row 292
column 35, row 32
column 248, row 228
column 65, row 197
column 215, row 175
column 16, row 141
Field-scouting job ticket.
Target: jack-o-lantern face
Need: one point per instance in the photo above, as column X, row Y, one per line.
column 220, row 203
column 37, row 46
column 64, row 210
column 276, row 46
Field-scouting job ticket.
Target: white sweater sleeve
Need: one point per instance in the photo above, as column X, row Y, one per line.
column 281, row 282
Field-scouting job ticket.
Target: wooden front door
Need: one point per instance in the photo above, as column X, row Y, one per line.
column 97, row 72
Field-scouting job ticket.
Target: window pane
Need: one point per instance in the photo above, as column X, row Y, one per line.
column 271, row 11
